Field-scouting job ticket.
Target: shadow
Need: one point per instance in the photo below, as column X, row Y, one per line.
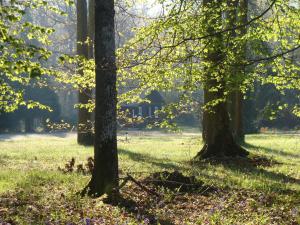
column 145, row 158
column 233, row 165
column 270, row 150
column 141, row 213
column 5, row 137
column 4, row 159
column 31, row 191
column 17, row 136
column 148, row 135
column 57, row 134
column 236, row 165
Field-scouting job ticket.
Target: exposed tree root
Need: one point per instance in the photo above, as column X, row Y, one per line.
column 96, row 189
column 218, row 150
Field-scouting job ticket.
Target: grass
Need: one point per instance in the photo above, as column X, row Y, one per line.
column 33, row 191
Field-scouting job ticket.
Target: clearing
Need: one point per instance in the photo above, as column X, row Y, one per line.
column 34, row 191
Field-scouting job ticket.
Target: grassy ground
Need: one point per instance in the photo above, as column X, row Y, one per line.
column 34, row 191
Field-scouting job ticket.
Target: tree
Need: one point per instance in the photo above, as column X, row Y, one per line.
column 84, row 134
column 217, row 134
column 192, row 46
column 105, row 174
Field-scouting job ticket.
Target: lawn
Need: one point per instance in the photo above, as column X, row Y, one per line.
column 34, row 191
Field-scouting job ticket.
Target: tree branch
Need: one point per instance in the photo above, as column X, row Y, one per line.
column 253, row 61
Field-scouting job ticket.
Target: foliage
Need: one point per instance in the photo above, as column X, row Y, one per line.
column 170, row 53
column 166, row 54
column 24, row 52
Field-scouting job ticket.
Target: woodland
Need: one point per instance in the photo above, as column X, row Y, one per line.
column 150, row 112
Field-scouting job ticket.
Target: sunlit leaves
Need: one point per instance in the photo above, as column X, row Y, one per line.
column 171, row 52
column 24, row 53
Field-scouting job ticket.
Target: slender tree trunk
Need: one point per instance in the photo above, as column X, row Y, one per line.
column 238, row 123
column 240, row 96
column 91, row 34
column 91, row 28
column 235, row 101
column 231, row 18
column 29, row 125
column 239, row 134
column 217, row 135
column 84, row 134
column 105, row 173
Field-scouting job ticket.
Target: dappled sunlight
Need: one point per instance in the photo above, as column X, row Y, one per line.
column 27, row 173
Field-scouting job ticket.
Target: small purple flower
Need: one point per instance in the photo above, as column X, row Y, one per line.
column 295, row 212
column 88, row 221
column 146, row 221
column 242, row 204
column 212, row 211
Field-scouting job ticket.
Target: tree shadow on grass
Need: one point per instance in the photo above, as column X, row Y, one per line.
column 145, row 158
column 271, row 150
column 4, row 159
column 141, row 213
column 30, row 194
column 236, row 165
column 21, row 136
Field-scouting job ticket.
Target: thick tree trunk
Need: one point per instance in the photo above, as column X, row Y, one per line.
column 217, row 134
column 84, row 134
column 105, row 174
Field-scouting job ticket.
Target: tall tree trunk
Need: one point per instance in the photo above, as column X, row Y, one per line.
column 91, row 35
column 235, row 100
column 231, row 18
column 238, row 124
column 91, row 28
column 217, row 135
column 29, row 125
column 240, row 96
column 105, row 173
column 237, row 117
column 84, row 134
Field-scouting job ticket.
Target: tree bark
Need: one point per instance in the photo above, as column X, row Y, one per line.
column 217, row 134
column 91, row 28
column 235, row 102
column 84, row 134
column 29, row 125
column 238, row 123
column 91, row 35
column 244, row 6
column 105, row 173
